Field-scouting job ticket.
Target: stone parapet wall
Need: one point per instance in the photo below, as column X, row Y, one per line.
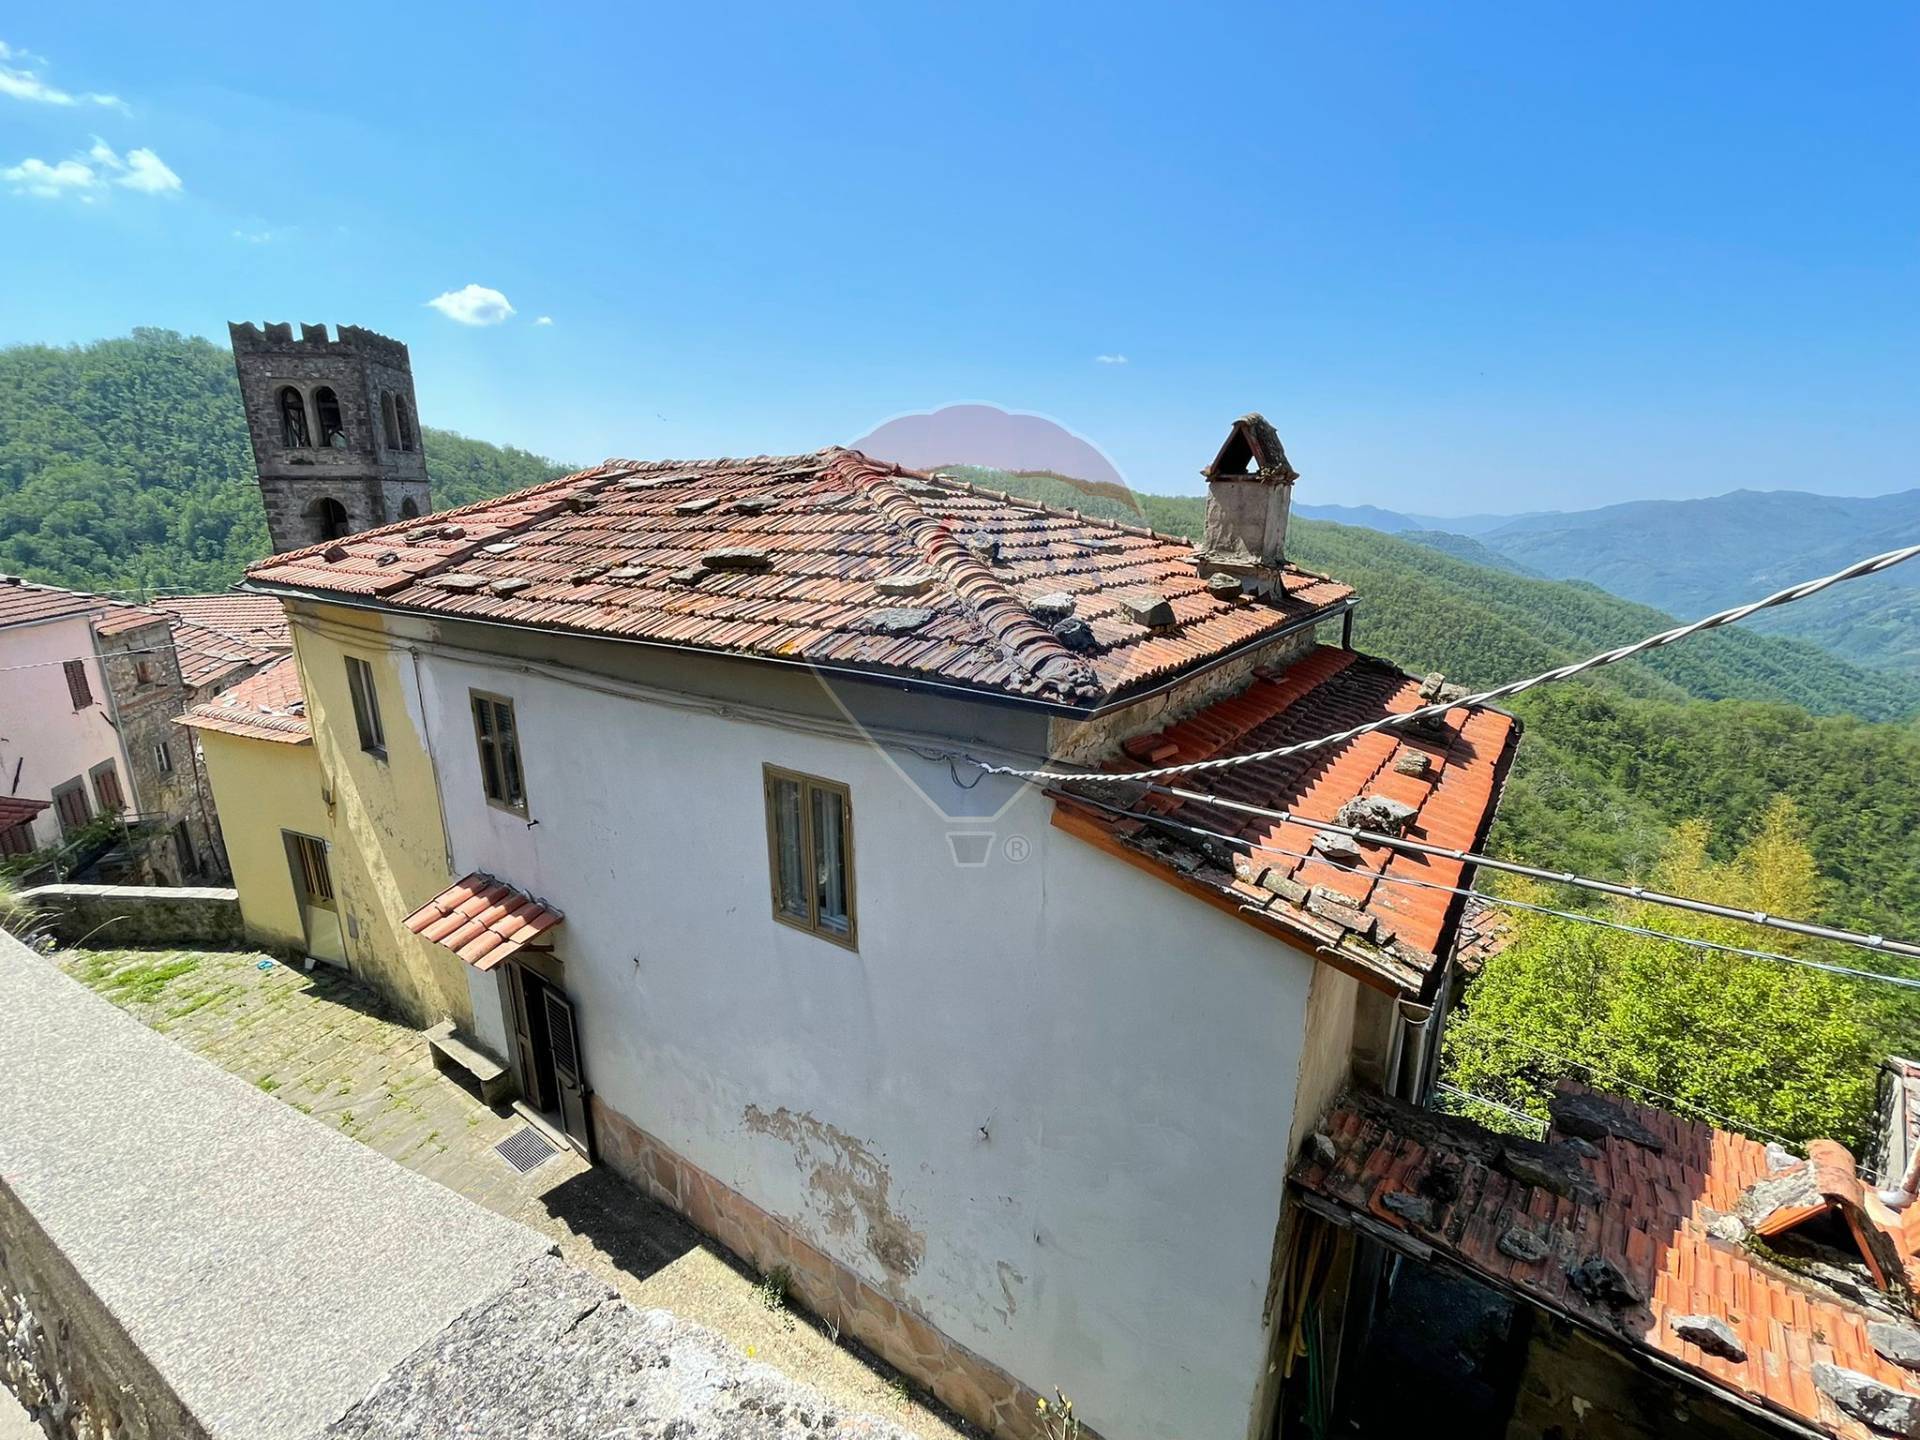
column 70, row 1364
column 139, row 915
column 970, row 1385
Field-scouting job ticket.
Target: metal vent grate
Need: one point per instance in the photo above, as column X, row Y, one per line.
column 526, row 1148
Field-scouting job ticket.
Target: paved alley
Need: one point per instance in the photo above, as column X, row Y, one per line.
column 328, row 1047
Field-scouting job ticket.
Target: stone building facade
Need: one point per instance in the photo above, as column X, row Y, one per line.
column 141, row 666
column 335, row 430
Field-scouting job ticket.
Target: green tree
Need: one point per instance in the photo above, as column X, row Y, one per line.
column 1772, row 1047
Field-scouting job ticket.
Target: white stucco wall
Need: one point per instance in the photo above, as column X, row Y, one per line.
column 1070, row 1084
column 40, row 731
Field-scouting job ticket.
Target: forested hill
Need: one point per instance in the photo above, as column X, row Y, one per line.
column 1483, row 623
column 124, row 464
column 1713, row 729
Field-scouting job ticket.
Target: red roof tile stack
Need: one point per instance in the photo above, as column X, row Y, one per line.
column 267, row 706
column 17, row 810
column 830, row 559
column 1354, row 907
column 1663, row 1211
column 25, row 604
column 483, row 920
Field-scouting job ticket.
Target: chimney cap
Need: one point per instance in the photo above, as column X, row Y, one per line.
column 1252, row 451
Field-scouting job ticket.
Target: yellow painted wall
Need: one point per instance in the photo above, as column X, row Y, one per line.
column 389, row 851
column 260, row 788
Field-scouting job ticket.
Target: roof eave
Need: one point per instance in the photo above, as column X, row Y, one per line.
column 980, row 695
column 1450, row 931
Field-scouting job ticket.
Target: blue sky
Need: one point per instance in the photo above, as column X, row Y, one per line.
column 1466, row 257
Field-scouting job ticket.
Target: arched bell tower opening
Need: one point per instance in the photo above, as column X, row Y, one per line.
column 331, row 420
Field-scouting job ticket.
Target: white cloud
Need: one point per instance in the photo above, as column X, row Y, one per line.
column 544, row 320
column 148, row 173
column 52, row 182
column 473, row 305
column 1109, row 359
column 22, row 80
column 255, row 237
column 87, row 179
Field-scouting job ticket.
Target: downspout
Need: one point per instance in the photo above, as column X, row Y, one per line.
column 433, row 763
column 1413, row 1027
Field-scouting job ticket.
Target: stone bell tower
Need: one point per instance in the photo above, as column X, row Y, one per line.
column 336, row 435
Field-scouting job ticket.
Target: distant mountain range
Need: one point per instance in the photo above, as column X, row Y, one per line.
column 1397, row 522
column 1691, row 557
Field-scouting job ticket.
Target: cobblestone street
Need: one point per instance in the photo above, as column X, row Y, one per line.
column 326, row 1046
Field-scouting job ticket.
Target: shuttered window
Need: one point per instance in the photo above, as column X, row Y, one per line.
column 106, row 787
column 77, row 687
column 17, row 839
column 810, row 853
column 498, row 736
column 70, row 804
column 366, row 707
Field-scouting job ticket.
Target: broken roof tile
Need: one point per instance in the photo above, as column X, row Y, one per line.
column 1645, row 1230
column 1364, row 896
column 845, row 536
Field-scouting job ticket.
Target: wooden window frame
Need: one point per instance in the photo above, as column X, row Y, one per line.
column 163, row 756
column 365, row 697
column 808, row 785
column 110, row 772
column 79, row 689
column 302, row 850
column 475, row 699
column 17, row 838
column 75, row 786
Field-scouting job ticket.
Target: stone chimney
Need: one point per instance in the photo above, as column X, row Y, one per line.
column 1249, row 495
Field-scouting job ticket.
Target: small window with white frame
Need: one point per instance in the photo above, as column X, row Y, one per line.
column 810, row 853
column 163, row 756
column 497, row 734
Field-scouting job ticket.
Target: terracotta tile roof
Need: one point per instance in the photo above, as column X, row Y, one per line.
column 24, row 604
column 214, row 636
column 267, row 706
column 1354, row 907
column 118, row 617
column 483, row 920
column 260, row 620
column 17, row 810
column 830, row 559
column 1669, row 1217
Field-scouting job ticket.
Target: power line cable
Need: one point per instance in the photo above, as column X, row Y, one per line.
column 1870, row 566
column 1879, row 944
column 272, row 651
column 1576, row 916
column 1612, row 1078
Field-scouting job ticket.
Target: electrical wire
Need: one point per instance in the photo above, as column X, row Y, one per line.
column 1576, row 916
column 1879, row 944
column 151, row 650
column 1726, row 1121
column 1870, row 566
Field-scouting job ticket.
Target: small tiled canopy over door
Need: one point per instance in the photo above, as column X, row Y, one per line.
column 564, row 1040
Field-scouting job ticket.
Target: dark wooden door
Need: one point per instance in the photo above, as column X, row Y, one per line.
column 529, row 1034
column 563, row 1041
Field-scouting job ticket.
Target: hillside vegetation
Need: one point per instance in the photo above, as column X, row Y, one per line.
column 124, row 465
column 1695, row 556
column 1714, row 729
column 1740, row 764
column 1481, row 625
